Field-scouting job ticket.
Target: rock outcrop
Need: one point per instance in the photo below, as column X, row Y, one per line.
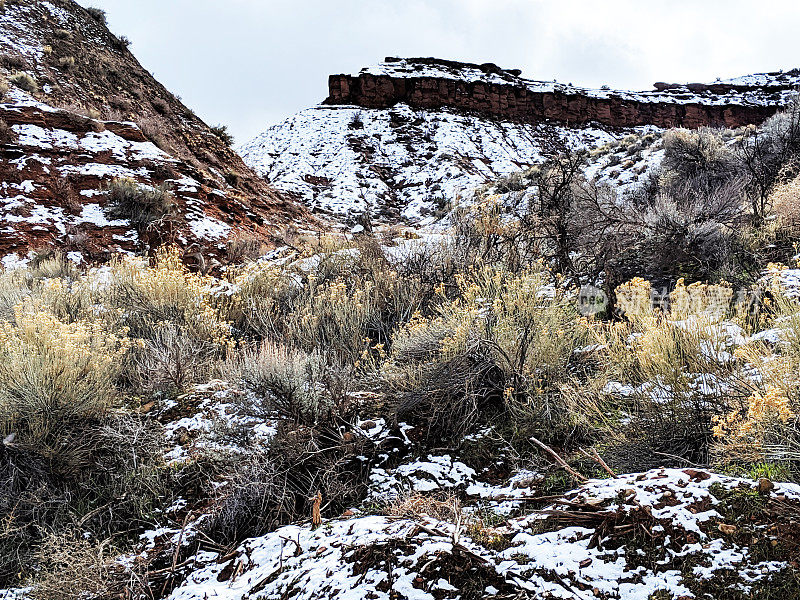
column 486, row 89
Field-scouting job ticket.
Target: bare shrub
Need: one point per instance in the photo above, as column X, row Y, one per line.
column 698, row 158
column 6, row 133
column 277, row 487
column 242, row 248
column 506, row 343
column 75, row 567
column 65, row 63
column 304, row 388
column 766, row 151
column 688, row 233
column 172, row 359
column 120, row 103
column 152, row 130
column 13, row 62
column 161, row 106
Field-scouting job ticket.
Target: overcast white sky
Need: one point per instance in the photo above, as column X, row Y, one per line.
column 251, row 63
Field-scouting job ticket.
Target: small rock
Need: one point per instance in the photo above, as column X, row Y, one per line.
column 585, row 563
column 727, row 529
column 764, row 486
column 367, row 425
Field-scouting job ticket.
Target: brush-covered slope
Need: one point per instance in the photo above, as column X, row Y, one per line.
column 79, row 111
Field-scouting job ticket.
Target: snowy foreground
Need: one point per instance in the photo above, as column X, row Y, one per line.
column 629, row 537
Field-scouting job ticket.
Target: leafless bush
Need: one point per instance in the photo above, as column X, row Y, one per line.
column 120, row 103
column 277, row 487
column 6, row 133
column 74, row 567
column 766, row 151
column 244, row 248
column 43, row 493
column 98, row 14
column 161, row 106
column 305, row 388
column 171, row 360
column 689, row 235
column 698, row 159
column 13, row 62
column 65, row 63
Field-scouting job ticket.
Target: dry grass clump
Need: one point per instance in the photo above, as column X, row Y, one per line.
column 676, row 367
column 25, row 82
column 763, row 424
column 149, row 209
column 172, row 312
column 785, row 201
column 73, row 567
column 444, row 508
column 66, row 63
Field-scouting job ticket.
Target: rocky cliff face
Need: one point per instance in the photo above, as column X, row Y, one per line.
column 79, row 112
column 489, row 90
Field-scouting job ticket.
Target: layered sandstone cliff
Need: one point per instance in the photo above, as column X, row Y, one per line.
column 486, row 89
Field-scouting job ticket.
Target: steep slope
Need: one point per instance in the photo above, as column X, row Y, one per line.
column 399, row 162
column 91, row 113
column 401, row 138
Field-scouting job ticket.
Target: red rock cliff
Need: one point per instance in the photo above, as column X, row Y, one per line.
column 489, row 90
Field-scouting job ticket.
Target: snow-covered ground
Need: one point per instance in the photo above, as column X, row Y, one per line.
column 399, row 162
column 548, row 553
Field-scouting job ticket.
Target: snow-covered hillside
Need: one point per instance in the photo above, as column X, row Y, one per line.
column 401, row 162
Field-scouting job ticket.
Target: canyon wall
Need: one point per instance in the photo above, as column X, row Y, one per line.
column 721, row 104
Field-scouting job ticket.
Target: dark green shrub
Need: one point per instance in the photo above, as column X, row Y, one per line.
column 221, row 131
column 98, row 14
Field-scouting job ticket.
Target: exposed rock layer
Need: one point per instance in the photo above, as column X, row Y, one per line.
column 96, row 114
column 434, row 84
